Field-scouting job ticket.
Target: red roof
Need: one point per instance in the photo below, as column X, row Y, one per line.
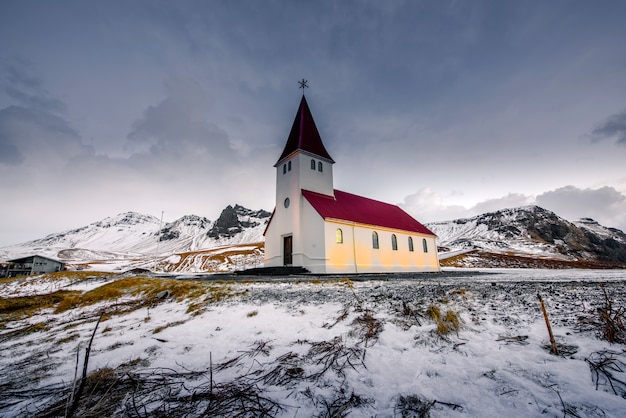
column 304, row 135
column 352, row 208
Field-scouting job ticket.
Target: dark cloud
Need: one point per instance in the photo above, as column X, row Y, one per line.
column 32, row 130
column 179, row 125
column 20, row 82
column 37, row 136
column 612, row 127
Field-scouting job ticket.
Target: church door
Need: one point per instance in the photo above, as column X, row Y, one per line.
column 287, row 248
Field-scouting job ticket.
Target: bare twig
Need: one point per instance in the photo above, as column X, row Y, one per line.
column 83, row 379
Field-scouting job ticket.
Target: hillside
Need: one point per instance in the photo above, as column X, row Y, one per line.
column 511, row 237
column 521, row 237
column 132, row 240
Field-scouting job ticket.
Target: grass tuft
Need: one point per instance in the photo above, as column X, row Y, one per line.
column 446, row 323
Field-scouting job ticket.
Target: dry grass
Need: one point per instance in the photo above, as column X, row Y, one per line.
column 446, row 323
column 367, row 327
column 608, row 371
column 79, row 275
column 481, row 259
column 135, row 287
column 26, row 306
column 168, row 325
column 607, row 320
column 123, row 295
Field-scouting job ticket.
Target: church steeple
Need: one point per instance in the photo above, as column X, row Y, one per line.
column 304, row 136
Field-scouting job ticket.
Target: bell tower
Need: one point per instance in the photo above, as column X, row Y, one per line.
column 304, row 164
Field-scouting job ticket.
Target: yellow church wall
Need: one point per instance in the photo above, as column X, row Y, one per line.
column 357, row 255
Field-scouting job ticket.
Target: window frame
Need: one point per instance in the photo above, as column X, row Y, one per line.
column 394, row 242
column 313, row 164
column 375, row 242
column 425, row 245
column 411, row 248
column 339, row 236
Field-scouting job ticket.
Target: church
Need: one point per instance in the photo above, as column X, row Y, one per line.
column 329, row 231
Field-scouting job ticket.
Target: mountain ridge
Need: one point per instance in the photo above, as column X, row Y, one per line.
column 131, row 239
column 507, row 237
column 532, row 231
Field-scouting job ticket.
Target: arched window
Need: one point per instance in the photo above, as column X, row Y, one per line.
column 411, row 244
column 319, row 166
column 284, row 168
column 289, row 166
column 339, row 236
column 394, row 242
column 375, row 240
column 425, row 245
column 312, row 164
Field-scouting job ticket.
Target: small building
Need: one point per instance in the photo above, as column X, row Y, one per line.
column 34, row 264
column 330, row 231
column 4, row 270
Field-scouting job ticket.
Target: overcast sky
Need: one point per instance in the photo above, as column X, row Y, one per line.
column 447, row 108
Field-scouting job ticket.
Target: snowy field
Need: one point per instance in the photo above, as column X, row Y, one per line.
column 371, row 346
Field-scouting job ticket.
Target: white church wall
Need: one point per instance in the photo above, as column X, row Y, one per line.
column 313, row 245
column 286, row 219
column 314, row 179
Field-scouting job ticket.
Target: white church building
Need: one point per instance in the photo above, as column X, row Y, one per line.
column 330, row 231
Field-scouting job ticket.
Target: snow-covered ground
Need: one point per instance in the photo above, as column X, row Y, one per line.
column 307, row 346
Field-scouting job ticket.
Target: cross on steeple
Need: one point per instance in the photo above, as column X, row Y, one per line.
column 303, row 84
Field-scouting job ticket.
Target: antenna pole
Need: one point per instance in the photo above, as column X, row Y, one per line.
column 158, row 241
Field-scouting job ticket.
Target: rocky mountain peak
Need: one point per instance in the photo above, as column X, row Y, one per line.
column 126, row 218
column 179, row 227
column 233, row 220
column 532, row 229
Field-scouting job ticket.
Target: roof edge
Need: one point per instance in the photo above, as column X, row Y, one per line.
column 305, row 152
column 379, row 227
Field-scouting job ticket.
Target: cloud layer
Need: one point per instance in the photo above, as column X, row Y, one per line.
column 613, row 127
column 184, row 106
column 605, row 204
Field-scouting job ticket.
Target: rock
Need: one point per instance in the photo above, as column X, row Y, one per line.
column 163, row 295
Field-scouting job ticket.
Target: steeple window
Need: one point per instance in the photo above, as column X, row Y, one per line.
column 284, row 168
column 289, row 166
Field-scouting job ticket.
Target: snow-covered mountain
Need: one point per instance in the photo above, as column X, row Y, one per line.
column 506, row 238
column 132, row 239
column 532, row 231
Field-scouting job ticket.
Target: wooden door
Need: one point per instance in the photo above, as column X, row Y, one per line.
column 287, row 249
